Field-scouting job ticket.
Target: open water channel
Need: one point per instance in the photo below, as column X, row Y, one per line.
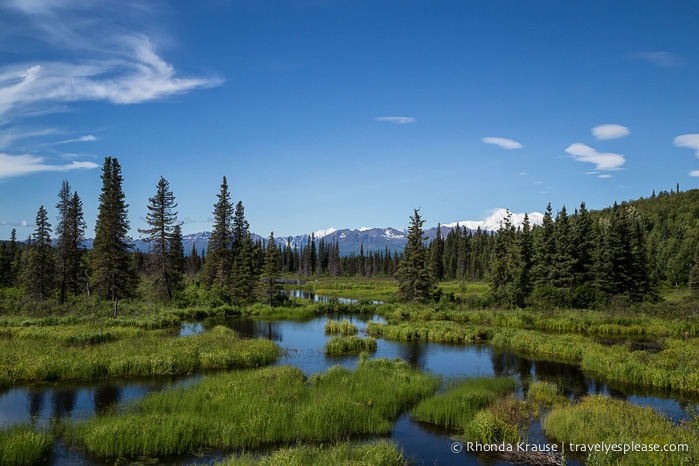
column 303, row 344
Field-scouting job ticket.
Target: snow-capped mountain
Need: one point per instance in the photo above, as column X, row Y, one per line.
column 493, row 222
column 351, row 241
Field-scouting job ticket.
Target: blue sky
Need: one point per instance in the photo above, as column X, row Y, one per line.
column 346, row 114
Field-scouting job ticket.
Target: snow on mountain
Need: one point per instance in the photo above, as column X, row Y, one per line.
column 323, row 233
column 351, row 241
column 493, row 222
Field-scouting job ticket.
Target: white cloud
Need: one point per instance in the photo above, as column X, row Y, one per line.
column 660, row 59
column 694, row 173
column 87, row 138
column 603, row 161
column 610, row 131
column 504, row 143
column 20, row 165
column 604, row 176
column 688, row 140
column 141, row 77
column 399, row 120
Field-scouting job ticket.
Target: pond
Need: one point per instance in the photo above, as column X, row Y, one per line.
column 303, row 346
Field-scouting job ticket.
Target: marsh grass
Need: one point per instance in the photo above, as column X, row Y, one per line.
column 462, row 400
column 22, row 445
column 598, row 419
column 380, row 453
column 359, row 288
column 542, row 394
column 52, row 353
column 501, row 422
column 333, row 327
column 433, row 331
column 255, row 408
column 349, row 345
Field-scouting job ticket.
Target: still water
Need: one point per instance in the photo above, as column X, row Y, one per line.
column 303, row 346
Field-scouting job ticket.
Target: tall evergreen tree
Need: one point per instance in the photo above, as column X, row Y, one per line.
column 544, row 250
column 40, row 267
column 437, row 255
column 71, row 233
column 562, row 268
column 113, row 274
column 583, row 238
column 219, row 262
column 162, row 220
column 270, row 288
column 415, row 282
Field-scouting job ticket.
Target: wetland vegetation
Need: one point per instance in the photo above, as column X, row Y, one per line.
column 609, row 295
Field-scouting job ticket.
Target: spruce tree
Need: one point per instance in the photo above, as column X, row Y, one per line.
column 270, row 288
column 544, row 250
column 113, row 273
column 162, row 220
column 562, row 269
column 40, row 265
column 437, row 255
column 71, row 233
column 415, row 282
column 218, row 257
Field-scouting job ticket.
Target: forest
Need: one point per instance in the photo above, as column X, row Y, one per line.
column 585, row 259
column 584, row 300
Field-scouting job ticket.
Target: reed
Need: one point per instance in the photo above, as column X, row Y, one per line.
column 542, row 394
column 345, row 327
column 254, row 408
column 379, row 453
column 31, row 355
column 434, row 331
column 22, row 445
column 598, row 419
column 462, row 400
column 349, row 345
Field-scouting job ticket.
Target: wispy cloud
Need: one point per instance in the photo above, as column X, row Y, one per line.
column 18, row 165
column 660, row 59
column 399, row 120
column 610, row 131
column 694, row 173
column 504, row 143
column 141, row 77
column 86, row 138
column 604, row 175
column 603, row 161
column 688, row 140
column 21, row 223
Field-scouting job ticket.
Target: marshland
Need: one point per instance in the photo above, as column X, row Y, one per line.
column 261, row 354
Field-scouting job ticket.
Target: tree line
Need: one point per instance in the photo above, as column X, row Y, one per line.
column 578, row 260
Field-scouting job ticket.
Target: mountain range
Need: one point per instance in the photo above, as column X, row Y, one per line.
column 351, row 240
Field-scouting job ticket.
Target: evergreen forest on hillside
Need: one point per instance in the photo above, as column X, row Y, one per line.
column 582, row 259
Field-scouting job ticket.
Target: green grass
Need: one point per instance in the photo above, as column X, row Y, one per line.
column 462, row 400
column 345, row 327
column 598, row 419
column 255, row 408
column 41, row 354
column 349, row 345
column 22, row 445
column 380, row 453
column 359, row 288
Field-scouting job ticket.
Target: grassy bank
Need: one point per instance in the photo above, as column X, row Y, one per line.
column 23, row 446
column 85, row 352
column 350, row 345
column 462, row 400
column 345, row 327
column 381, row 453
column 250, row 409
column 598, row 419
